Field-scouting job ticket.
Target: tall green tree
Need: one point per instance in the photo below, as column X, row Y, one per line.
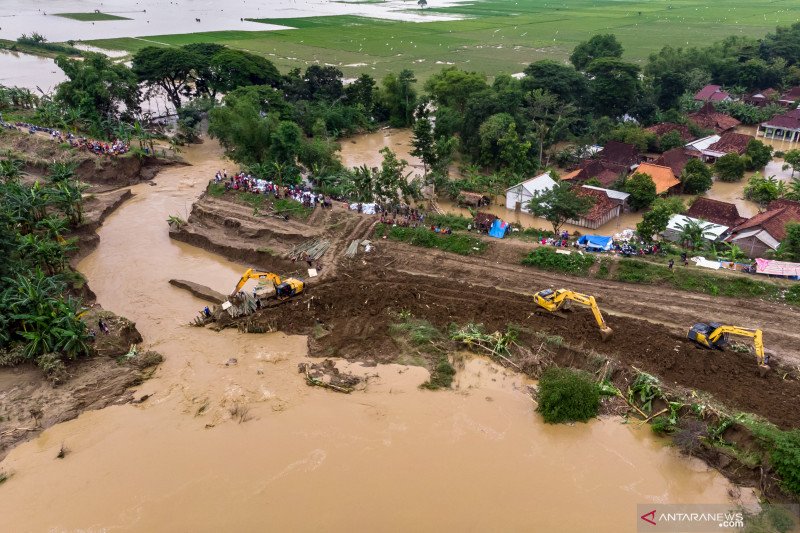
column 598, row 47
column 400, row 97
column 757, row 155
column 694, row 233
column 560, row 204
column 230, row 69
column 642, row 190
column 792, row 160
column 696, row 177
column 174, row 70
column 555, row 78
column 98, row 87
column 655, row 221
column 730, row 167
column 614, row 85
column 453, row 87
column 789, row 248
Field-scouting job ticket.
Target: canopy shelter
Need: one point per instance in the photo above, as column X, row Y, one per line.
column 595, row 243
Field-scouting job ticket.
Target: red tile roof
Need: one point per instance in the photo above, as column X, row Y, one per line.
column 715, row 211
column 619, row 153
column 730, row 142
column 792, row 95
column 675, row 159
column 602, row 203
column 666, row 127
column 774, row 219
column 708, row 119
column 711, row 92
column 789, row 121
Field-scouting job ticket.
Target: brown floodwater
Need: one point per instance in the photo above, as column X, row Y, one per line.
column 250, row 447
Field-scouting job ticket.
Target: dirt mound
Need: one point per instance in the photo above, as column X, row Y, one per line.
column 354, row 313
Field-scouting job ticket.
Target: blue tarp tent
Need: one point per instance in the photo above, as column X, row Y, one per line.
column 595, row 243
column 499, row 229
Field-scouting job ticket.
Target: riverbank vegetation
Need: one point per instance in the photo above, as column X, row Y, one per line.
column 40, row 315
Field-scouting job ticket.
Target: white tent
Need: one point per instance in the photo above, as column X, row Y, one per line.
column 522, row 193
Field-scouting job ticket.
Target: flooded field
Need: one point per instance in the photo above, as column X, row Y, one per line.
column 31, row 72
column 239, row 445
column 156, row 17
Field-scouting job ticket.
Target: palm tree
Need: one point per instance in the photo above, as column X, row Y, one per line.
column 694, row 232
column 734, row 253
column 793, row 192
column 61, row 172
column 69, row 198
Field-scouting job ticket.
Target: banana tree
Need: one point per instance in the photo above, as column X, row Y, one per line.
column 69, row 198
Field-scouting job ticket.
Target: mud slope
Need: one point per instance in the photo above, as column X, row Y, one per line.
column 358, row 307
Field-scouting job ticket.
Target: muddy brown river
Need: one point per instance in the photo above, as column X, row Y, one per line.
column 250, row 447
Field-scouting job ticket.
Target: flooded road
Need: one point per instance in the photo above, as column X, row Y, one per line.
column 250, row 447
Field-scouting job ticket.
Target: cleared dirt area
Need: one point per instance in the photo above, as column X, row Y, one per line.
column 353, row 303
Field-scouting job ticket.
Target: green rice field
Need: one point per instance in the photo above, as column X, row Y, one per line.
column 90, row 17
column 493, row 36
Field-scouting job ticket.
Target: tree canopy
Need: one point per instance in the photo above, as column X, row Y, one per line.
column 599, row 46
column 559, row 204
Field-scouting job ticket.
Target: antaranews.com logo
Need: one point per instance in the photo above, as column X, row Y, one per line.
column 690, row 518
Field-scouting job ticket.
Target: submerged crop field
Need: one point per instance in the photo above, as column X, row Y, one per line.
column 494, row 36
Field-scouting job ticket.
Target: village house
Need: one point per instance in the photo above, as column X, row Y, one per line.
column 675, row 159
column 790, row 97
column 716, row 211
column 707, row 118
column 762, row 98
column 615, row 160
column 783, row 127
column 663, row 128
column 519, row 196
column 605, row 173
column 712, row 93
column 765, row 231
column 607, row 206
column 663, row 177
column 711, row 232
column 711, row 148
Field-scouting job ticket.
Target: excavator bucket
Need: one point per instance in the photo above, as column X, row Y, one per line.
column 606, row 333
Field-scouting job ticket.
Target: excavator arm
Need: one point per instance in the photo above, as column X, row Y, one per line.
column 554, row 300
column 755, row 334
column 250, row 274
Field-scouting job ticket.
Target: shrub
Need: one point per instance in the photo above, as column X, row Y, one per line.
column 730, row 167
column 548, row 259
column 454, row 222
column 567, row 395
column 457, row 243
column 441, row 375
column 785, row 458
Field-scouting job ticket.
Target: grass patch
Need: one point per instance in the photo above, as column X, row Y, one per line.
column 604, row 268
column 215, row 189
column 567, row 395
column 548, row 259
column 287, row 206
column 419, row 332
column 454, row 222
column 90, row 17
column 456, row 243
column 635, row 271
column 441, row 375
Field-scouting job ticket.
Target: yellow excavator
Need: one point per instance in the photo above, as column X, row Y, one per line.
column 715, row 336
column 285, row 288
column 554, row 300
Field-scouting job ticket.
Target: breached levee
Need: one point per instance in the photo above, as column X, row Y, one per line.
column 201, row 291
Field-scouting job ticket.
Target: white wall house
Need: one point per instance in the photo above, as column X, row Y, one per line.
column 518, row 196
column 713, row 232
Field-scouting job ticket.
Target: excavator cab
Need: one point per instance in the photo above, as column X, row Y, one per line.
column 701, row 333
column 289, row 288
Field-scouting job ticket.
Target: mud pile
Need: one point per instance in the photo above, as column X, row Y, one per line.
column 356, row 311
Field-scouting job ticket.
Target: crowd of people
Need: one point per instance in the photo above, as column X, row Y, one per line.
column 242, row 181
column 117, row 147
